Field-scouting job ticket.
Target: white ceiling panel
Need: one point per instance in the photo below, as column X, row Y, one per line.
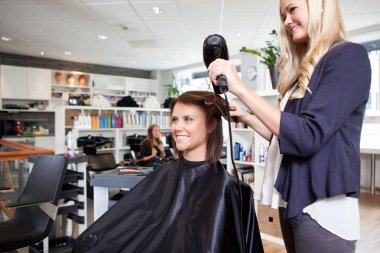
column 4, row 16
column 112, row 10
column 17, row 28
column 29, row 13
column 200, row 8
column 139, row 39
column 16, row 2
column 245, row 7
column 144, row 9
column 369, row 6
column 70, row 11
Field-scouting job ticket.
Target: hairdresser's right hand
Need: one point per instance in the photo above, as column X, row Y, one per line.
column 228, row 69
column 237, row 111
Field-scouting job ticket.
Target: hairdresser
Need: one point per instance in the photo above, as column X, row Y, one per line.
column 314, row 135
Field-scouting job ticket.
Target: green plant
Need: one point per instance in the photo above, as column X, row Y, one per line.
column 172, row 88
column 269, row 54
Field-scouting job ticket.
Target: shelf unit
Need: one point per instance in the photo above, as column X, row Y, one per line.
column 86, row 86
column 69, row 83
column 249, row 139
column 143, row 118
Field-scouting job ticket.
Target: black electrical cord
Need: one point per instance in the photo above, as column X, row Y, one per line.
column 236, row 176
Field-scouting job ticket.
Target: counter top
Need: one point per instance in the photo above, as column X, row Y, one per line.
column 26, row 136
column 19, row 151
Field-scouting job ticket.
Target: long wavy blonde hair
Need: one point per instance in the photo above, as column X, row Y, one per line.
column 297, row 61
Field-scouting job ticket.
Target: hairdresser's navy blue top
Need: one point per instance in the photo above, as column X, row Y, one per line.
column 320, row 134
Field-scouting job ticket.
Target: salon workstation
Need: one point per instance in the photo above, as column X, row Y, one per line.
column 102, row 96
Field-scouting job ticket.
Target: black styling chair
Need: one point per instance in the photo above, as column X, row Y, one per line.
column 101, row 162
column 98, row 163
column 36, row 207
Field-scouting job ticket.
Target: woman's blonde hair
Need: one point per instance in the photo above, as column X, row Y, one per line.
column 297, row 61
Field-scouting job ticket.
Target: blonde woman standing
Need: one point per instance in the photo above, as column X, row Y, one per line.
column 315, row 134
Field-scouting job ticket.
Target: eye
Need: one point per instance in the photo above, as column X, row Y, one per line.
column 174, row 120
column 292, row 9
column 188, row 119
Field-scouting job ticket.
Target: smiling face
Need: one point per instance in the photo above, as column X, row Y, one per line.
column 156, row 132
column 295, row 15
column 189, row 131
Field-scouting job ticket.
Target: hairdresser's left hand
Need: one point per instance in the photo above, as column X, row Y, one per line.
column 237, row 111
column 228, row 69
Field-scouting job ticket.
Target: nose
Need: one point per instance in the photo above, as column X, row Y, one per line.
column 288, row 20
column 176, row 126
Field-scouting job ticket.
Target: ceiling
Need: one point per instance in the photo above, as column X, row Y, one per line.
column 139, row 39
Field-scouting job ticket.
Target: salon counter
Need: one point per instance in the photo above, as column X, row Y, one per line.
column 113, row 179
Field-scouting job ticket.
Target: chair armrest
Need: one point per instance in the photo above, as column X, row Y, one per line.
column 26, row 203
column 49, row 208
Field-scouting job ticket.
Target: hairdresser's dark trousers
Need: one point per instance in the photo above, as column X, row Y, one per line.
column 304, row 235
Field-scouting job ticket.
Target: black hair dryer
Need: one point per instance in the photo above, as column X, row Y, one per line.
column 215, row 47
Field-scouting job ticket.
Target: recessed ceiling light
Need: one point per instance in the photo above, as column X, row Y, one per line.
column 157, row 10
column 6, row 38
column 102, row 37
column 178, row 51
column 239, row 34
column 42, row 53
column 67, row 53
column 134, row 62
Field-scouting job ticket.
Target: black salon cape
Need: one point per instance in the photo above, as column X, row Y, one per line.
column 182, row 206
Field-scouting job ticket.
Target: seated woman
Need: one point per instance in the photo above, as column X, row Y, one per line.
column 151, row 148
column 188, row 205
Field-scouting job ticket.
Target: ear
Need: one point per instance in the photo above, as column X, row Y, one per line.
column 212, row 126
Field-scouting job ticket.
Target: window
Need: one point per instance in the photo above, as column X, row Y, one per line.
column 373, row 48
column 373, row 101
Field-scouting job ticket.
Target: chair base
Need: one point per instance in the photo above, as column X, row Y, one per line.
column 59, row 245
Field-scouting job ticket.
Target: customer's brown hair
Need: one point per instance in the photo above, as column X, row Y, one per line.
column 212, row 105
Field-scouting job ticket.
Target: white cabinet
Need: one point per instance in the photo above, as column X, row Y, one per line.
column 14, row 82
column 25, row 83
column 136, row 120
column 111, row 87
column 141, row 84
column 39, row 84
column 140, row 88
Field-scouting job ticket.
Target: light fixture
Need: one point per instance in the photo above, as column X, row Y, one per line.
column 67, row 53
column 239, row 34
column 156, row 10
column 42, row 53
column 102, row 37
column 134, row 62
column 5, row 38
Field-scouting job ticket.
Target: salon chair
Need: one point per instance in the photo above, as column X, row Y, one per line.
column 36, row 206
column 98, row 163
column 101, row 162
